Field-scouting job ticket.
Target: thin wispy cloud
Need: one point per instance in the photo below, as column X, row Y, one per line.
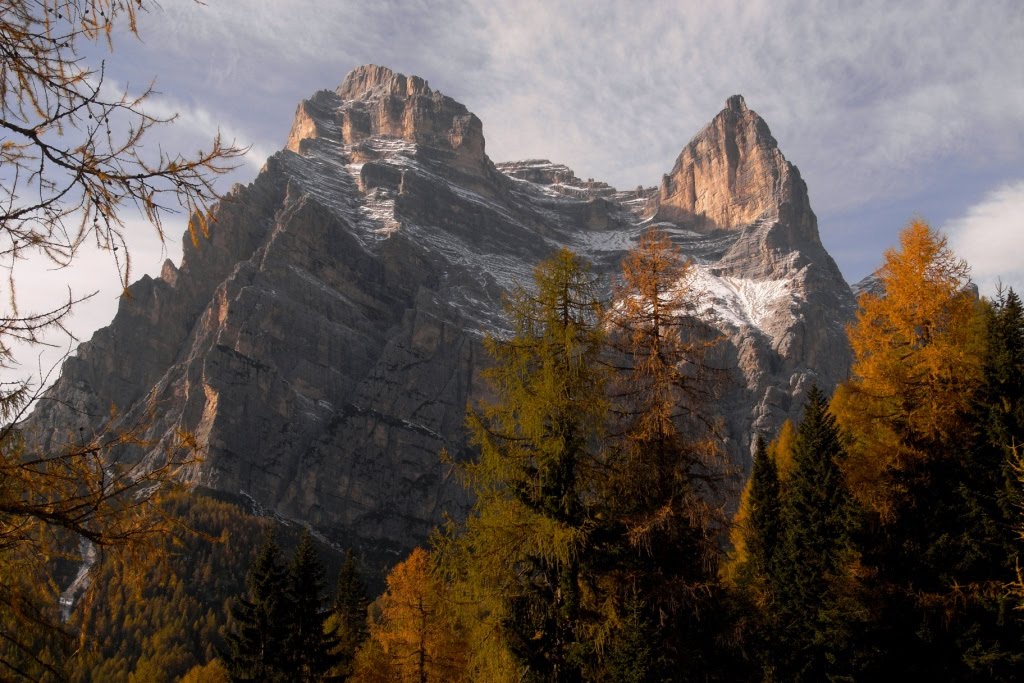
column 889, row 109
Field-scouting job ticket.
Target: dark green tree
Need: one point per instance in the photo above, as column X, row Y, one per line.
column 309, row 644
column 349, row 619
column 756, row 574
column 1003, row 391
column 260, row 621
column 763, row 532
column 814, row 591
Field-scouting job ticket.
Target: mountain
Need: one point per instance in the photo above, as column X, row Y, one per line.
column 324, row 342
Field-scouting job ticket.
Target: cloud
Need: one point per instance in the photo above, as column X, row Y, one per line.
column 990, row 236
column 865, row 97
column 887, row 108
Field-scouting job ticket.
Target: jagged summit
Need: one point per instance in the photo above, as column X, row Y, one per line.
column 376, row 102
column 736, row 103
column 372, row 81
column 732, row 174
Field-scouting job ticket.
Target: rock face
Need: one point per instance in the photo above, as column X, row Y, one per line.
column 324, row 343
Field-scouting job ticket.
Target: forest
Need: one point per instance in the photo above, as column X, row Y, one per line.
column 879, row 537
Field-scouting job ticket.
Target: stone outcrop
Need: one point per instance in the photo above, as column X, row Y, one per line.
column 324, row 343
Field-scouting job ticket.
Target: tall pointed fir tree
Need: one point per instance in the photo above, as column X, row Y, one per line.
column 257, row 639
column 815, row 593
column 761, row 530
column 757, row 539
column 528, row 538
column 349, row 618
column 310, row 645
column 665, row 469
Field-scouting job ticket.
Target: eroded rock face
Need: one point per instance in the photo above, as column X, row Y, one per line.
column 324, row 343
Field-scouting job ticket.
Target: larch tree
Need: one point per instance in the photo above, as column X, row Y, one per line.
column 919, row 464
column 539, row 439
column 415, row 637
column 917, row 363
column 73, row 162
column 666, row 469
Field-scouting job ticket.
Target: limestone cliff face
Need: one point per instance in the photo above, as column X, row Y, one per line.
column 324, row 343
column 375, row 102
column 732, row 174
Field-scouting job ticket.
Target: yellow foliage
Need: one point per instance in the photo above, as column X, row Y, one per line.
column 781, row 450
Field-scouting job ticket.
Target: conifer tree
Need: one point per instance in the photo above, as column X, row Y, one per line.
column 528, row 538
column 310, row 645
column 917, row 365
column 763, row 528
column 416, row 638
column 919, row 462
column 665, row 468
column 349, row 619
column 260, row 621
column 815, row 602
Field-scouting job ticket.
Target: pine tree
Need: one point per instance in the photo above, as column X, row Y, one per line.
column 815, row 603
column 310, row 646
column 349, row 619
column 260, row 621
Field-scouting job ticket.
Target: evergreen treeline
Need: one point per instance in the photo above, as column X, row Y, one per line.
column 878, row 538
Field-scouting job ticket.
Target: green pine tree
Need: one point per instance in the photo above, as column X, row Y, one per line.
column 815, row 600
column 310, row 645
column 260, row 621
column 349, row 619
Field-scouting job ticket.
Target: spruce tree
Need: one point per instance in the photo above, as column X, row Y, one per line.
column 350, row 617
column 815, row 603
column 763, row 532
column 260, row 621
column 310, row 646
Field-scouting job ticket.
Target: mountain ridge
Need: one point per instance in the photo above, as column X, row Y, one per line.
column 324, row 343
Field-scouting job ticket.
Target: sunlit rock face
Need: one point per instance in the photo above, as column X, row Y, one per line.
column 324, row 342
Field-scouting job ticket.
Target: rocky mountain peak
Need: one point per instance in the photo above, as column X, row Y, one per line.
column 371, row 82
column 374, row 102
column 324, row 343
column 732, row 174
column 736, row 103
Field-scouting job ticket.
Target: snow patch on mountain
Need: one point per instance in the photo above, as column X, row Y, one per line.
column 743, row 302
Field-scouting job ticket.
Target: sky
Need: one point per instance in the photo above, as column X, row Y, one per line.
column 890, row 110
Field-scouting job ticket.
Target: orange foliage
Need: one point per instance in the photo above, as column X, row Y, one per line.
column 416, row 639
column 917, row 361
